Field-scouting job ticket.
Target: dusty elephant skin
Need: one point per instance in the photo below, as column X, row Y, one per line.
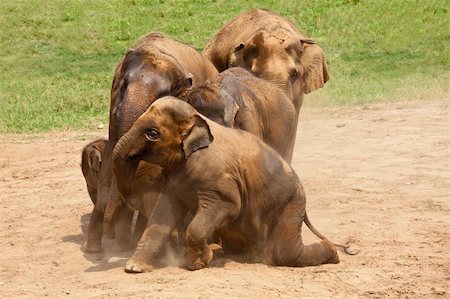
column 240, row 100
column 271, row 48
column 235, row 185
column 156, row 66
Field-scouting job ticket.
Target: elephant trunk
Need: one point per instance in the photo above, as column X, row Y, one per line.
column 129, row 111
column 113, row 195
column 113, row 204
column 125, row 161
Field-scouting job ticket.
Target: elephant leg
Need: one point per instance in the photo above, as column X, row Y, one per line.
column 167, row 214
column 95, row 231
column 108, row 220
column 122, row 229
column 286, row 247
column 139, row 228
column 205, row 223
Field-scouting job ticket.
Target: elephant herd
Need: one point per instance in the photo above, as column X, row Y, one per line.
column 201, row 145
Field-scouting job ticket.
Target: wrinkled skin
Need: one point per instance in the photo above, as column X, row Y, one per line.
column 235, row 185
column 156, row 66
column 240, row 100
column 271, row 48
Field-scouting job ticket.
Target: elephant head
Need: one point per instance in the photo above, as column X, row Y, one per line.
column 215, row 102
column 167, row 134
column 145, row 74
column 221, row 99
column 296, row 64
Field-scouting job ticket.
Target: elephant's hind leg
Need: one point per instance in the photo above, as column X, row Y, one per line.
column 319, row 253
column 286, row 247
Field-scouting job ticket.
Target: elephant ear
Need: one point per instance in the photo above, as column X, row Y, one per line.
column 237, row 56
column 198, row 136
column 95, row 158
column 243, row 53
column 182, row 85
column 315, row 66
column 231, row 108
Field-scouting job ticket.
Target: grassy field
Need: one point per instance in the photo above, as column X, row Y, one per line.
column 57, row 57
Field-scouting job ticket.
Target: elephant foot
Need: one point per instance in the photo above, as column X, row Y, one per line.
column 198, row 260
column 91, row 248
column 137, row 266
column 334, row 257
column 121, row 246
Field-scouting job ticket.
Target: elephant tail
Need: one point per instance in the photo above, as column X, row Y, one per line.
column 318, row 234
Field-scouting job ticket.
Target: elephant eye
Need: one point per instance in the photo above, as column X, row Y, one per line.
column 293, row 73
column 152, row 135
column 125, row 83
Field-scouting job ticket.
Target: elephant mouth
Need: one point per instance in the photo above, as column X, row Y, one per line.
column 133, row 157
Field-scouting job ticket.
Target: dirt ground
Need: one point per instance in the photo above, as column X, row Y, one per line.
column 377, row 176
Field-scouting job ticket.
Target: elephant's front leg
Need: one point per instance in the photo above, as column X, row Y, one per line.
column 167, row 214
column 211, row 215
column 122, row 228
column 95, row 231
column 141, row 225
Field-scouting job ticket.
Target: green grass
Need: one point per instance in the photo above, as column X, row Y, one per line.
column 58, row 57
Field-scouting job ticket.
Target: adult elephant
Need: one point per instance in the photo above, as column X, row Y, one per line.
column 238, row 99
column 272, row 48
column 156, row 66
column 236, row 186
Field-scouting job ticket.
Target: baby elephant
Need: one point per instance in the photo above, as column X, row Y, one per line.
column 238, row 99
column 91, row 158
column 237, row 187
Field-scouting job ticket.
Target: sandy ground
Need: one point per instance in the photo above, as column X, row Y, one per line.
column 376, row 175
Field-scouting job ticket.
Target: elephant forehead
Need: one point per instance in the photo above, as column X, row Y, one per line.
column 172, row 107
column 148, row 56
column 274, row 36
column 155, row 118
column 283, row 50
